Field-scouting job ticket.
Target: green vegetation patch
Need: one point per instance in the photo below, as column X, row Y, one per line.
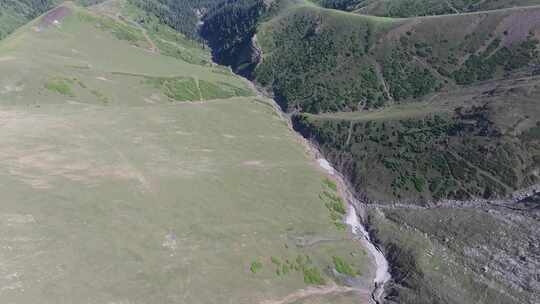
column 334, row 203
column 313, row 276
column 235, row 90
column 100, row 96
column 406, row 78
column 118, row 29
column 255, row 266
column 180, row 15
column 176, row 88
column 60, row 85
column 330, row 184
column 317, row 60
column 169, row 41
column 16, row 13
column 343, row 267
column 497, row 59
column 301, row 264
column 191, row 89
column 210, row 90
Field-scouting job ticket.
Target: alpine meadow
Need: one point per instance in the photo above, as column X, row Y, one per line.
column 270, row 151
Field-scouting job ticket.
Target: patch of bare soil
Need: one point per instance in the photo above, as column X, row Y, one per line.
column 318, row 291
column 11, row 88
column 39, row 167
column 7, row 58
column 254, row 164
column 54, row 17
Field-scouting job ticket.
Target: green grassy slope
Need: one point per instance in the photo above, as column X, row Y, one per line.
column 163, row 203
column 315, row 59
column 166, row 39
column 122, row 186
column 87, row 55
column 412, row 8
column 321, row 60
column 184, row 16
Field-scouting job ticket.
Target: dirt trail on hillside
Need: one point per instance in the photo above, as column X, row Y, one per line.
column 516, row 8
column 313, row 292
column 153, row 46
column 127, row 22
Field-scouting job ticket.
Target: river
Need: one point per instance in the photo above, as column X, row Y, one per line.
column 382, row 272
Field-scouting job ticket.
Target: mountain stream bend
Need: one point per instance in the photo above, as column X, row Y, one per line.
column 355, row 207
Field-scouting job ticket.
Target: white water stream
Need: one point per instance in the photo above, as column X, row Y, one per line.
column 382, row 274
